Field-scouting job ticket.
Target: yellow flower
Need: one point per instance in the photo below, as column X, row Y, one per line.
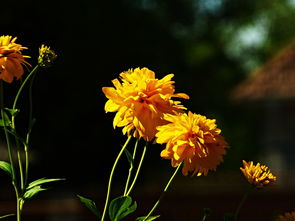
column 287, row 217
column 257, row 175
column 11, row 59
column 194, row 139
column 140, row 102
column 46, row 56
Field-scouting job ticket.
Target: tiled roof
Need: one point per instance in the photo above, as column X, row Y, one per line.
column 274, row 80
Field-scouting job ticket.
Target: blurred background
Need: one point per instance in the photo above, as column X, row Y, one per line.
column 235, row 59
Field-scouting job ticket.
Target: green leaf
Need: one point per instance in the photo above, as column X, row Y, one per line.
column 6, row 121
column 18, row 137
column 90, row 205
column 121, row 207
column 5, row 216
column 148, row 219
column 6, row 167
column 42, row 181
column 129, row 157
column 32, row 192
column 13, row 112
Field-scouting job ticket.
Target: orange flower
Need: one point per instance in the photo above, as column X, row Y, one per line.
column 194, row 139
column 11, row 59
column 257, row 175
column 140, row 102
column 287, row 217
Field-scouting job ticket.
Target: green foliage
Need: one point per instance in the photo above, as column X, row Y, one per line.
column 129, row 157
column 5, row 216
column 33, row 191
column 6, row 167
column 13, row 112
column 150, row 218
column 35, row 187
column 121, row 207
column 5, row 121
column 90, row 205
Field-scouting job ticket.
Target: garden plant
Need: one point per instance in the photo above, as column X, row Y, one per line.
column 148, row 111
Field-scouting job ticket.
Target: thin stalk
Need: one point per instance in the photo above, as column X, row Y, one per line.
column 111, row 177
column 29, row 130
column 241, row 204
column 14, row 182
column 6, row 132
column 163, row 193
column 131, row 167
column 23, row 84
column 22, row 183
column 204, row 217
column 138, row 169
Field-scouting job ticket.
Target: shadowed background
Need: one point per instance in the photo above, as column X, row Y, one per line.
column 210, row 45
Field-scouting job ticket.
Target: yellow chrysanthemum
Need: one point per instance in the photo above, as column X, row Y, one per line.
column 140, row 101
column 194, row 139
column 11, row 59
column 257, row 175
column 287, row 217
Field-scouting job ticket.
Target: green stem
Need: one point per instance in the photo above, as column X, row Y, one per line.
column 131, row 167
column 138, row 169
column 6, row 132
column 23, row 84
column 163, row 193
column 242, row 203
column 29, row 130
column 22, row 183
column 111, row 177
column 14, row 182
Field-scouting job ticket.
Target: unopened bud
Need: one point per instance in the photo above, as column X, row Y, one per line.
column 46, row 56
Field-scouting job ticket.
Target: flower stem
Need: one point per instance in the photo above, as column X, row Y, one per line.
column 241, row 204
column 163, row 193
column 14, row 182
column 29, row 130
column 138, row 169
column 23, row 84
column 22, row 183
column 111, row 177
column 131, row 167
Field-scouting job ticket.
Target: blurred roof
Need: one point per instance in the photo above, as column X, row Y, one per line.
column 274, row 80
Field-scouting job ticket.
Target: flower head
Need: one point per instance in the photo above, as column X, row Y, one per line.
column 257, row 175
column 287, row 217
column 11, row 59
column 46, row 56
column 194, row 139
column 140, row 101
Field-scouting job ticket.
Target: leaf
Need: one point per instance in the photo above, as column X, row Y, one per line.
column 18, row 137
column 129, row 157
column 90, row 205
column 121, row 207
column 6, row 167
column 148, row 219
column 13, row 112
column 5, row 121
column 42, row 181
column 32, row 192
column 8, row 215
